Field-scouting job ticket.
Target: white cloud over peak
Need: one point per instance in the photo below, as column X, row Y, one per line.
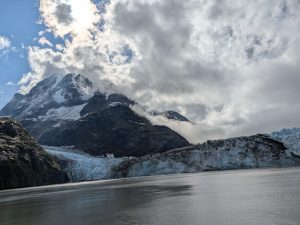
column 225, row 64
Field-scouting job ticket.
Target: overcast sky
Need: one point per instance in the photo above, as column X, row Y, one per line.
column 232, row 67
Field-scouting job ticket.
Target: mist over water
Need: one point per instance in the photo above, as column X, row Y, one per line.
column 268, row 196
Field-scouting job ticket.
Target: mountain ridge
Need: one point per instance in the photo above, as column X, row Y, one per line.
column 57, row 103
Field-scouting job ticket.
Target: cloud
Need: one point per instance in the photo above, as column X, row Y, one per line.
column 69, row 16
column 10, row 83
column 63, row 14
column 4, row 43
column 227, row 65
column 5, row 46
column 45, row 41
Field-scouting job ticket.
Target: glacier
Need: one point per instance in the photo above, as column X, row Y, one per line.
column 257, row 151
column 290, row 137
column 80, row 166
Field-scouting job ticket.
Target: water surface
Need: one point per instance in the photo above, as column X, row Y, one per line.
column 248, row 197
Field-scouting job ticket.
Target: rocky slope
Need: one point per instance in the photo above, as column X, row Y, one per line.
column 23, row 162
column 257, row 151
column 116, row 130
column 68, row 110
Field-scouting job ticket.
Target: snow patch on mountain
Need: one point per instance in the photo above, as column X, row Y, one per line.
column 83, row 86
column 113, row 104
column 58, row 96
column 63, row 113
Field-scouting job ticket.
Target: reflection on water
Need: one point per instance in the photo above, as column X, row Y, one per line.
column 234, row 197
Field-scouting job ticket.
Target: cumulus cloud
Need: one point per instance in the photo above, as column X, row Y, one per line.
column 77, row 17
column 5, row 46
column 63, row 14
column 4, row 43
column 230, row 66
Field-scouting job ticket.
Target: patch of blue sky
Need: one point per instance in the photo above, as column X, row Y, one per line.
column 101, row 5
column 19, row 24
column 128, row 52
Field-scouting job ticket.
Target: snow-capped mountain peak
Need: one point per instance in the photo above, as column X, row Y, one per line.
column 54, row 92
column 65, row 97
column 68, row 110
column 77, row 85
column 64, row 88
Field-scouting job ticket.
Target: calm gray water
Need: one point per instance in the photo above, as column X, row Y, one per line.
column 248, row 197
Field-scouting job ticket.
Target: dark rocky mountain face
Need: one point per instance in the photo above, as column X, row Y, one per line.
column 171, row 115
column 115, row 129
column 101, row 101
column 23, row 162
column 67, row 110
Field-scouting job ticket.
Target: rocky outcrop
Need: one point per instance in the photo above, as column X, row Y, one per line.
column 258, row 151
column 171, row 115
column 101, row 101
column 23, row 162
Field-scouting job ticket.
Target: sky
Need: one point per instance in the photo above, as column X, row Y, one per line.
column 14, row 30
column 232, row 67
